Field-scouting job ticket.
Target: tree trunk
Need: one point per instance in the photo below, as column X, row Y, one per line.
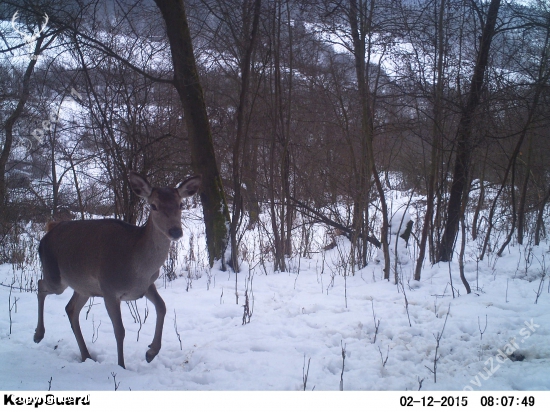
column 249, row 36
column 280, row 138
column 437, row 137
column 523, row 195
column 287, row 155
column 511, row 163
column 540, row 86
column 77, row 187
column 464, row 132
column 514, row 214
column 540, row 220
column 461, row 255
column 55, row 182
column 186, row 81
column 360, row 25
column 543, row 75
column 481, row 199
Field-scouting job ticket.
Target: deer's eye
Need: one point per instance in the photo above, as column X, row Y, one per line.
column 153, row 206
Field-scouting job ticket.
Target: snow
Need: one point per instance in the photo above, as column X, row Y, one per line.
column 398, row 246
column 309, row 315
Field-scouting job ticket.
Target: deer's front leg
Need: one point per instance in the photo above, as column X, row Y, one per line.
column 153, row 295
column 112, row 304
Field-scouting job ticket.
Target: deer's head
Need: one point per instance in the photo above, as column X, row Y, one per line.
column 165, row 202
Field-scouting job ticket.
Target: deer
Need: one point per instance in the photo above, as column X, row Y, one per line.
column 113, row 259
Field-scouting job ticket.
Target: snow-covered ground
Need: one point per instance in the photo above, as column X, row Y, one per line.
column 304, row 319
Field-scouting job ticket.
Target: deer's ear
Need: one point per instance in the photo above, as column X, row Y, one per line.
column 140, row 185
column 189, row 186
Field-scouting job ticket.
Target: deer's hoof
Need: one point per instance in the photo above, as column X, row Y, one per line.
column 38, row 335
column 87, row 356
column 150, row 355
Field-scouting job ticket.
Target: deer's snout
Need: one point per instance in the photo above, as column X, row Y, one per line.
column 175, row 233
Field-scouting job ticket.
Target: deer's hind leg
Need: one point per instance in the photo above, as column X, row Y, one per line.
column 73, row 309
column 40, row 330
column 50, row 284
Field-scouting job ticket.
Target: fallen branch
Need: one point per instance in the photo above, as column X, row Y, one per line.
column 328, row 221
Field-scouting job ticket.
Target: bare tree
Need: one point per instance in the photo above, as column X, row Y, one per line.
column 187, row 83
column 463, row 141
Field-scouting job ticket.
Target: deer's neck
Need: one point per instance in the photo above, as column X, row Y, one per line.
column 154, row 246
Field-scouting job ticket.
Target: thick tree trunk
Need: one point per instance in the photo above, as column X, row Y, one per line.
column 464, row 145
column 186, row 81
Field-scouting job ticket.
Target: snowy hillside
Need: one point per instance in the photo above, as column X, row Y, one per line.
column 300, row 323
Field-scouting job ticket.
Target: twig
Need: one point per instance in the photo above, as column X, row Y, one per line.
column 248, row 310
column 376, row 322
column 451, row 279
column 343, row 365
column 479, row 326
column 90, row 305
column 305, row 373
column 95, row 334
column 406, row 302
column 176, row 329
column 133, row 310
column 382, row 357
column 10, row 305
column 420, row 382
column 114, row 379
column 438, row 337
column 538, row 292
column 145, row 316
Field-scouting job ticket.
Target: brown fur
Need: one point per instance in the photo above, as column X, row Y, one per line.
column 51, row 224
